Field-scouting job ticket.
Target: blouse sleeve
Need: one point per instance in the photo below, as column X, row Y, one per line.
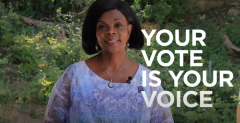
column 160, row 114
column 59, row 100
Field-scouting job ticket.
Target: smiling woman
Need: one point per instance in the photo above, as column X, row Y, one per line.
column 106, row 87
column 113, row 31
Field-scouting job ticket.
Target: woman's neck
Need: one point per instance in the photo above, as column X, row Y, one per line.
column 112, row 61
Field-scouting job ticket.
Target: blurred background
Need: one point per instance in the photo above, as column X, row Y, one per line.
column 39, row 39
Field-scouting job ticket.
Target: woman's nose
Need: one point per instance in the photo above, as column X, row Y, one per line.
column 111, row 30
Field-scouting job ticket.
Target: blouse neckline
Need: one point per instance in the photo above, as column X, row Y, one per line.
column 108, row 80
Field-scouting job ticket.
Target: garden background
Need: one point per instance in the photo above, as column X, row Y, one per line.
column 40, row 39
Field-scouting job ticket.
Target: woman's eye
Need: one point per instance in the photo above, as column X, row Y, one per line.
column 101, row 27
column 118, row 25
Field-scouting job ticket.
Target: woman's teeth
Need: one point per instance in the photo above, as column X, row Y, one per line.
column 111, row 41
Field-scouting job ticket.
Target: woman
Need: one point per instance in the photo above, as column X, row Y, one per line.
column 106, row 87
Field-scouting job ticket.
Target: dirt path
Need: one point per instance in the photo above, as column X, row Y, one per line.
column 22, row 113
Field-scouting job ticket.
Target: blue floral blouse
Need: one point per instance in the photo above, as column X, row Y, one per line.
column 81, row 96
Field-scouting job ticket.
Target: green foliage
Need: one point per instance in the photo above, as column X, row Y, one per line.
column 158, row 11
column 32, row 113
column 229, row 18
column 3, row 119
column 44, row 58
column 47, row 8
column 233, row 31
column 10, row 25
column 139, row 12
column 39, row 54
column 5, row 94
column 162, row 10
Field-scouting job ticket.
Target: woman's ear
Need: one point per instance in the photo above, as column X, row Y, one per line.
column 129, row 30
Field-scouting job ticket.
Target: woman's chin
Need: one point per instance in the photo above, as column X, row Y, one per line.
column 112, row 51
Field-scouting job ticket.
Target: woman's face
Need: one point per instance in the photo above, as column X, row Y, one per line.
column 113, row 31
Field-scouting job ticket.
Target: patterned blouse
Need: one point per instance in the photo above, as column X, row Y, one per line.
column 81, row 96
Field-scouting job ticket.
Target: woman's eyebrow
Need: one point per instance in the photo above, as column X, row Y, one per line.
column 101, row 21
column 118, row 19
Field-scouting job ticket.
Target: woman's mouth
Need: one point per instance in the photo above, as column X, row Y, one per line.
column 112, row 42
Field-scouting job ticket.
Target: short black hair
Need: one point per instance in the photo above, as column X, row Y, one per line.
column 89, row 39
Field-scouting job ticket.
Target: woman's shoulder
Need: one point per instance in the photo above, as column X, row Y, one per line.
column 143, row 68
column 75, row 66
column 133, row 63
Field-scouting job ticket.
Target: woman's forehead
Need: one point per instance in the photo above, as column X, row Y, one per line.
column 112, row 15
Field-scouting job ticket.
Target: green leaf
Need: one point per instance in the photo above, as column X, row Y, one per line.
column 192, row 115
column 3, row 61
